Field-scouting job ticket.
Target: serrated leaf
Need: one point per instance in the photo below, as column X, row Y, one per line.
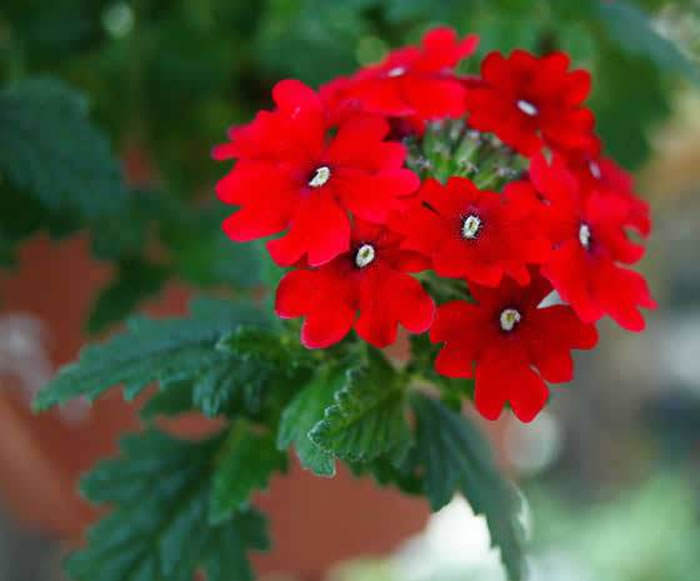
column 367, row 418
column 253, row 362
column 135, row 281
column 149, row 350
column 631, row 29
column 303, row 413
column 173, row 398
column 245, row 464
column 49, row 148
column 456, row 457
column 158, row 529
column 406, row 475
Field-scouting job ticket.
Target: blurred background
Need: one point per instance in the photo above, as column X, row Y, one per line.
column 611, row 471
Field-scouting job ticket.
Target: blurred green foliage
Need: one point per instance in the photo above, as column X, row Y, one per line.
column 164, row 79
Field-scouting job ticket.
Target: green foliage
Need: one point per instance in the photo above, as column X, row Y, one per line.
column 149, row 351
column 247, row 461
column 629, row 27
column 49, row 148
column 456, row 458
column 159, row 528
column 367, row 418
column 303, row 413
column 624, row 138
column 251, row 373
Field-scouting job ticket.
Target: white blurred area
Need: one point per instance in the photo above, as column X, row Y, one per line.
column 25, row 363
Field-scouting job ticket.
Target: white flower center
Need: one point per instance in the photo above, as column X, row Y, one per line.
column 471, row 226
column 594, row 168
column 396, row 72
column 527, row 107
column 364, row 256
column 321, row 176
column 509, row 318
column 584, row 236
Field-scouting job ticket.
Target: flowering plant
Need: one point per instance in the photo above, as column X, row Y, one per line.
column 491, row 190
column 476, row 212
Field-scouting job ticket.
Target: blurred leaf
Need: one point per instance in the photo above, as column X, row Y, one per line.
column 135, row 281
column 367, row 418
column 158, row 529
column 147, row 351
column 246, row 462
column 631, row 29
column 49, row 148
column 457, row 458
column 629, row 98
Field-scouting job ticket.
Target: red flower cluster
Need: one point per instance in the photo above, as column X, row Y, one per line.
column 540, row 255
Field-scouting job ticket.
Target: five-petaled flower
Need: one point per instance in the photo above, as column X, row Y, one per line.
column 371, row 280
column 290, row 175
column 474, row 234
column 530, row 102
column 510, row 344
column 414, row 82
column 589, row 242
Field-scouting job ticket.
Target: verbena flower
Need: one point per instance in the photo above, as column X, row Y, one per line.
column 510, row 345
column 329, row 172
column 291, row 175
column 367, row 288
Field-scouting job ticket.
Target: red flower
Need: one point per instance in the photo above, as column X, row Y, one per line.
column 529, row 101
column 605, row 176
column 409, row 82
column 289, row 174
column 371, row 278
column 589, row 240
column 515, row 345
column 480, row 235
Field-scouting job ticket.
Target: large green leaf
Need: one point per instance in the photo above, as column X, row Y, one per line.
column 303, row 413
column 246, row 462
column 49, row 148
column 252, row 373
column 158, row 529
column 367, row 418
column 456, row 458
column 149, row 350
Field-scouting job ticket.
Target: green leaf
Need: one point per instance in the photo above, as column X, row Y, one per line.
column 253, row 363
column 135, row 281
column 49, row 148
column 173, row 398
column 631, row 29
column 160, row 490
column 629, row 98
column 303, row 413
column 149, row 350
column 367, row 418
column 456, row 457
column 245, row 464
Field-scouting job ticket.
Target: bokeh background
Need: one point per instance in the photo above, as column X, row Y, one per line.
column 611, row 470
